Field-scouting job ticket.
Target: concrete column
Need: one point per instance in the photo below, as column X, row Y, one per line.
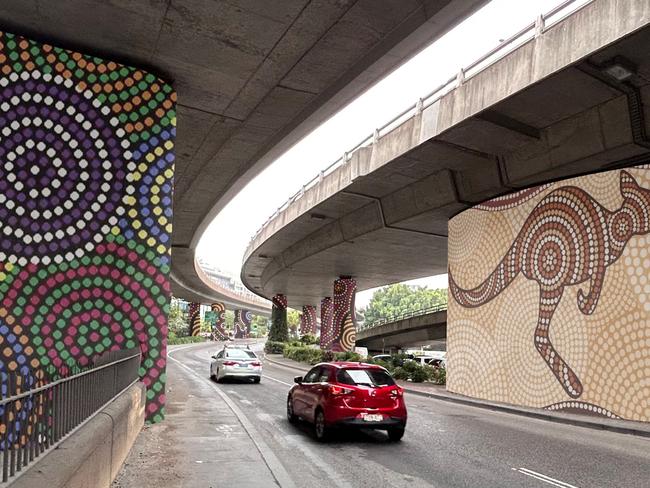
column 343, row 326
column 326, row 336
column 219, row 317
column 279, row 330
column 194, row 318
column 243, row 319
column 308, row 320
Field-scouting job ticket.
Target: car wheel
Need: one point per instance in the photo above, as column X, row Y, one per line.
column 396, row 434
column 217, row 376
column 320, row 428
column 291, row 417
column 257, row 379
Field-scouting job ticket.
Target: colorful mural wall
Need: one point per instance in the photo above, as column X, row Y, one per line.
column 194, row 318
column 86, row 172
column 344, row 328
column 326, row 331
column 308, row 320
column 550, row 297
column 242, row 323
column 218, row 321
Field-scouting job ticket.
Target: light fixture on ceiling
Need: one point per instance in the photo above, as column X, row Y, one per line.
column 619, row 68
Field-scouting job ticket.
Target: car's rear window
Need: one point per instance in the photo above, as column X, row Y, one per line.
column 368, row 377
column 240, row 354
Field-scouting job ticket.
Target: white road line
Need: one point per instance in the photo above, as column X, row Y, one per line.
column 274, row 379
column 278, row 471
column 544, row 478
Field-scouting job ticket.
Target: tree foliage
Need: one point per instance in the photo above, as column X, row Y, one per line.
column 279, row 331
column 399, row 298
column 177, row 323
column 293, row 322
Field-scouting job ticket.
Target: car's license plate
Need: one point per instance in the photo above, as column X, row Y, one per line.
column 371, row 417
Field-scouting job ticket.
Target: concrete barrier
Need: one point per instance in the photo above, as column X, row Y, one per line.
column 92, row 455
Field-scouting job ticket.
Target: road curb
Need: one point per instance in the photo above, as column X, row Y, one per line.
column 618, row 426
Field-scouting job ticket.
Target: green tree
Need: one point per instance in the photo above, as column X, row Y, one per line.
column 399, row 298
column 177, row 323
column 293, row 322
column 259, row 326
column 229, row 321
column 279, row 331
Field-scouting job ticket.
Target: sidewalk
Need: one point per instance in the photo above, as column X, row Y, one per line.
column 201, row 443
column 439, row 392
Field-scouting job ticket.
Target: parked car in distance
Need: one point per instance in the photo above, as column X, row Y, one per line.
column 348, row 394
column 236, row 362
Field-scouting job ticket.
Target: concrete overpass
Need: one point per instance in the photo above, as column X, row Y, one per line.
column 250, row 81
column 551, row 108
column 411, row 330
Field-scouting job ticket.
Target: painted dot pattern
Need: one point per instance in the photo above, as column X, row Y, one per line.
column 242, row 323
column 343, row 326
column 86, row 169
column 218, row 327
column 542, row 292
column 308, row 320
column 194, row 318
column 326, row 329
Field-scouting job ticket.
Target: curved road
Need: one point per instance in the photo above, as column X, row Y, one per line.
column 446, row 444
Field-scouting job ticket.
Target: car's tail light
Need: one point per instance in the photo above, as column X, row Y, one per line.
column 339, row 390
column 229, row 363
column 397, row 393
column 256, row 363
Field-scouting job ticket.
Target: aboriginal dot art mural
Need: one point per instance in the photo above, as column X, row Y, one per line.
column 194, row 318
column 242, row 323
column 551, row 284
column 308, row 320
column 326, row 331
column 86, row 174
column 219, row 325
column 343, row 326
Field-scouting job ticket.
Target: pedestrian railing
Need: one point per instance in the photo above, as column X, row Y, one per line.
column 406, row 315
column 532, row 30
column 38, row 409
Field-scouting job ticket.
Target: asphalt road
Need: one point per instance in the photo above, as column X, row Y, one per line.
column 445, row 445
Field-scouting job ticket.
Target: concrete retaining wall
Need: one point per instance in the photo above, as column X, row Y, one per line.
column 93, row 455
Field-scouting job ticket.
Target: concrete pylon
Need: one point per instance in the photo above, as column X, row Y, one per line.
column 326, row 316
column 194, row 318
column 308, row 320
column 343, row 325
column 219, row 317
column 242, row 324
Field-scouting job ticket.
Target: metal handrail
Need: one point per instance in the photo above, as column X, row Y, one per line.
column 535, row 28
column 406, row 315
column 36, row 420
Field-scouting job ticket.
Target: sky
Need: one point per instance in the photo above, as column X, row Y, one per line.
column 245, row 214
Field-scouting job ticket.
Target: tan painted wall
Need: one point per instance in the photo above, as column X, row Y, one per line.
column 491, row 337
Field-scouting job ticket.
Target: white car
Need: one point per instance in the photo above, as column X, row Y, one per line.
column 234, row 362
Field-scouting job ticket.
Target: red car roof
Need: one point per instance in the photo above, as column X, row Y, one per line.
column 350, row 364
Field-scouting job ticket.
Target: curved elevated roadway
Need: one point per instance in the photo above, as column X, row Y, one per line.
column 251, row 77
column 548, row 109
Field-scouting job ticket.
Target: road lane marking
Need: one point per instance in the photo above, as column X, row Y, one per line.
column 276, row 468
column 275, row 379
column 544, row 478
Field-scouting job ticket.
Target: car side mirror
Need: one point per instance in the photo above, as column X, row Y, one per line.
column 297, row 379
column 214, row 357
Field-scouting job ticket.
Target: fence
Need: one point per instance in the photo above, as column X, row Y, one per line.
column 36, row 413
column 406, row 315
column 536, row 28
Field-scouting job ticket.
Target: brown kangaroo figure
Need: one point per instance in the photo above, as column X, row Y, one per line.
column 568, row 239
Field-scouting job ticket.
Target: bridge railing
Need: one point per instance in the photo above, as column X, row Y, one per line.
column 406, row 315
column 536, row 28
column 36, row 413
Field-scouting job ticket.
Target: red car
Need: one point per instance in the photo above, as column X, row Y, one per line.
column 343, row 394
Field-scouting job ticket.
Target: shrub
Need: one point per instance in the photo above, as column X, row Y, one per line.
column 309, row 339
column 274, row 347
column 438, row 376
column 419, row 374
column 303, row 354
column 400, row 373
column 172, row 340
column 347, row 356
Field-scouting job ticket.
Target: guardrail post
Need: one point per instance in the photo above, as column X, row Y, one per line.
column 539, row 25
column 460, row 77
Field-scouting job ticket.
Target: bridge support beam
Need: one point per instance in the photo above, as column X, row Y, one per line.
column 308, row 320
column 343, row 325
column 326, row 336
column 219, row 321
column 279, row 330
column 242, row 325
column 194, row 318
